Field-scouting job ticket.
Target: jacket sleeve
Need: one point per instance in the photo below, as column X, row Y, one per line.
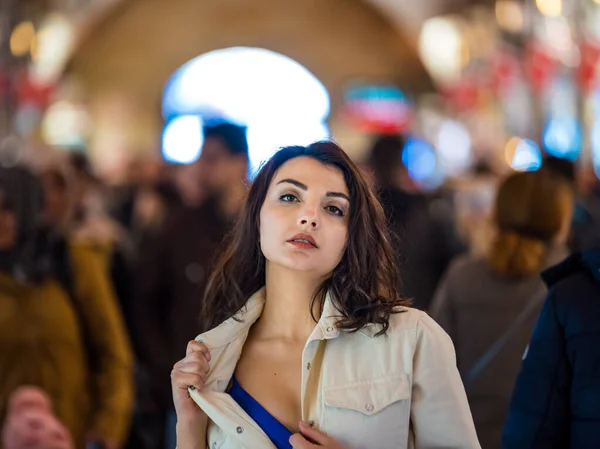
column 440, row 414
column 112, row 368
column 539, row 410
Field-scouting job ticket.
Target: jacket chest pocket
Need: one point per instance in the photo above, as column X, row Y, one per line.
column 373, row 414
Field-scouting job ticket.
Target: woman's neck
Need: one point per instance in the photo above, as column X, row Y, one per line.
column 287, row 312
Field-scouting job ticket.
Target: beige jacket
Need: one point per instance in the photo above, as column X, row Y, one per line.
column 396, row 391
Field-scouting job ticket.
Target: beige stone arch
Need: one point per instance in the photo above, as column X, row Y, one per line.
column 125, row 60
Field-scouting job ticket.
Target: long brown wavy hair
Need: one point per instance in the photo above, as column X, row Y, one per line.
column 363, row 287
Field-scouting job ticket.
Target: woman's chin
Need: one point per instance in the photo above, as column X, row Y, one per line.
column 301, row 265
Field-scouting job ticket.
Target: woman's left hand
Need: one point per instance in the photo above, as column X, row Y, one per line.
column 311, row 438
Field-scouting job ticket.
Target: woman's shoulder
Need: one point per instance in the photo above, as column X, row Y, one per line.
column 410, row 319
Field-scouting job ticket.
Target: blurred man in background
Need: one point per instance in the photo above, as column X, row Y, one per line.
column 171, row 273
column 424, row 245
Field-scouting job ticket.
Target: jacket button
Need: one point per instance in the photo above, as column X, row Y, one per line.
column 330, row 329
column 214, row 445
column 308, row 366
column 240, row 430
column 311, row 424
column 369, row 407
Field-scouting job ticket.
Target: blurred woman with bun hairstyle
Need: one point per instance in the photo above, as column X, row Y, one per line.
column 489, row 304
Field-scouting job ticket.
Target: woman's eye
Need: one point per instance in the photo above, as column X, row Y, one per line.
column 335, row 210
column 288, row 198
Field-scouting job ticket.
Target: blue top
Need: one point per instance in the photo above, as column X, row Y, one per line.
column 277, row 432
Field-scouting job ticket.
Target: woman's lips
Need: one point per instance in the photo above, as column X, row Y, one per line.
column 302, row 244
column 303, row 241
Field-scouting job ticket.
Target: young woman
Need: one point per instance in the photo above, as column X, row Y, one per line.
column 310, row 341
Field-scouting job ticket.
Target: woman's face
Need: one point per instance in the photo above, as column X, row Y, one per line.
column 304, row 218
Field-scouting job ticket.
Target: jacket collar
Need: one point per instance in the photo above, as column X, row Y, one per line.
column 586, row 261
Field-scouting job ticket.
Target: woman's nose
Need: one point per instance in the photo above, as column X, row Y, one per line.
column 309, row 217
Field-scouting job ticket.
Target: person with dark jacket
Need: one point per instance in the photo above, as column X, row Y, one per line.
column 556, row 400
column 424, row 244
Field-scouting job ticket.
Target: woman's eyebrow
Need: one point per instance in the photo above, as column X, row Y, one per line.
column 294, row 182
column 304, row 187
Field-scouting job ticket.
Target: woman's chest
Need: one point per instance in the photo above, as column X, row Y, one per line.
column 361, row 396
column 272, row 376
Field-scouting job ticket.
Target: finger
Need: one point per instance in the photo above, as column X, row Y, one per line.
column 183, row 381
column 314, row 435
column 299, row 442
column 193, row 367
column 196, row 357
column 195, row 346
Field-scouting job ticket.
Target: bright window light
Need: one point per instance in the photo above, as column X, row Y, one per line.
column 265, row 138
column 182, row 139
column 278, row 100
column 245, row 84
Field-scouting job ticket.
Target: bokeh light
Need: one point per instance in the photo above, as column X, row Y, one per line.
column 441, row 48
column 562, row 138
column 182, row 139
column 419, row 158
column 22, row 38
column 595, row 145
column 550, row 8
column 509, row 14
column 454, row 146
column 53, row 45
column 523, row 154
column 65, row 125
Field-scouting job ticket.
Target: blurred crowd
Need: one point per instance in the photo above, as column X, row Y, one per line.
column 101, row 286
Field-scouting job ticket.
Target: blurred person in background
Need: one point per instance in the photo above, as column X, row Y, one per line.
column 31, row 424
column 171, row 272
column 148, row 197
column 556, row 400
column 488, row 305
column 60, row 325
column 424, row 245
column 70, row 214
column 474, row 194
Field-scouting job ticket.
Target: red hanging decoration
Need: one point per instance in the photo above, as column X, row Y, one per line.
column 27, row 91
column 540, row 67
column 588, row 72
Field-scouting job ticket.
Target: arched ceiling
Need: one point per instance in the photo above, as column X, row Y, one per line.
column 129, row 52
column 118, row 39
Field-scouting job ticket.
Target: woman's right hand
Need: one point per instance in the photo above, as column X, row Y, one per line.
column 191, row 371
